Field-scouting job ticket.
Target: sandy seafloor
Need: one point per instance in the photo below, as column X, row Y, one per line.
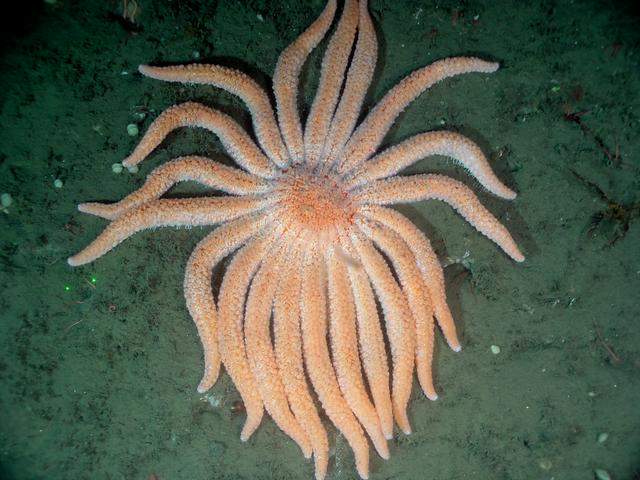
column 99, row 364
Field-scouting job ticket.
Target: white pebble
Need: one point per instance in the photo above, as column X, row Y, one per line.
column 495, row 349
column 133, row 168
column 116, row 168
column 6, row 200
column 132, row 129
column 602, row 474
column 58, row 183
column 603, row 437
column 545, row 464
column 212, row 400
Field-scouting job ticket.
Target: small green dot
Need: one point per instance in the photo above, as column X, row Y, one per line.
column 94, row 280
column 67, row 288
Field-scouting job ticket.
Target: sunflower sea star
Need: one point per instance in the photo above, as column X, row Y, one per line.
column 306, row 219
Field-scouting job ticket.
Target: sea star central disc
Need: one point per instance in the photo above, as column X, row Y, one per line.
column 312, row 203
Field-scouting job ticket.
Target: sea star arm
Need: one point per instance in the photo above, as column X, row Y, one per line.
column 190, row 168
column 344, row 346
column 404, row 264
column 231, row 341
column 165, row 213
column 286, row 78
column 427, row 262
column 260, row 351
column 399, row 327
column 356, row 86
column 236, row 83
column 197, row 286
column 371, row 339
column 334, row 65
column 288, row 349
column 455, row 193
column 375, row 126
column 235, row 140
column 448, row 144
column 318, row 362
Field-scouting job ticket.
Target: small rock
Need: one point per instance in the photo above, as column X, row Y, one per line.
column 6, row 200
column 602, row 474
column 495, row 349
column 58, row 183
column 212, row 400
column 545, row 464
column 132, row 130
column 117, row 168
